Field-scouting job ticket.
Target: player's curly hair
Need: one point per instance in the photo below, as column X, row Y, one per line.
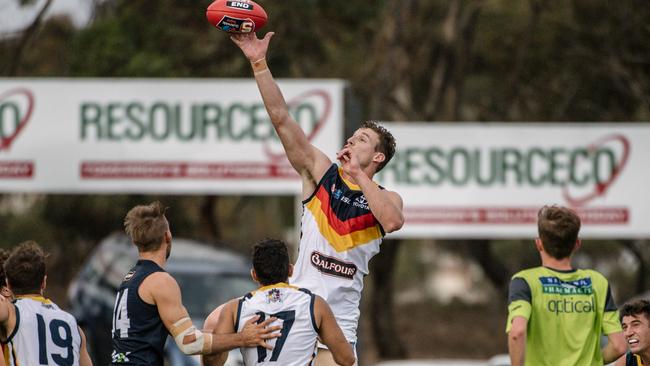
column 146, row 225
column 25, row 268
column 386, row 144
column 271, row 261
column 558, row 229
column 635, row 307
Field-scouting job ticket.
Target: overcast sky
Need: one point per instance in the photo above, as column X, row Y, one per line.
column 14, row 18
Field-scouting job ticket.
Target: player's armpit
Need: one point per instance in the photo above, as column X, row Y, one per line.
column 331, row 334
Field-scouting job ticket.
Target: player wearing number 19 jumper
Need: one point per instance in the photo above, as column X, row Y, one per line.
column 34, row 330
column 304, row 316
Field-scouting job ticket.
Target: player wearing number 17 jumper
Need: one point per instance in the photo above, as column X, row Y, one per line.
column 304, row 316
column 33, row 329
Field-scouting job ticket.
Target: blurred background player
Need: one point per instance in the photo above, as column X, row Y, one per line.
column 148, row 305
column 556, row 313
column 345, row 214
column 303, row 315
column 635, row 318
column 34, row 329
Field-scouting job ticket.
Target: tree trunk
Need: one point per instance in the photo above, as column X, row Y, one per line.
column 640, row 285
column 382, row 317
column 28, row 33
column 494, row 269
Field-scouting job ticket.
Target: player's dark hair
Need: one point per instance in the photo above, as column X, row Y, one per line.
column 271, row 261
column 635, row 307
column 558, row 229
column 386, row 144
column 25, row 268
column 146, row 225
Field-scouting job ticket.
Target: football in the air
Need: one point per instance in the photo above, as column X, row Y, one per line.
column 236, row 16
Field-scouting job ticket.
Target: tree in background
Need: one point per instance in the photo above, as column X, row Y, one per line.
column 408, row 60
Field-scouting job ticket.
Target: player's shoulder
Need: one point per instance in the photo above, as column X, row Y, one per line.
column 160, row 283
column 596, row 277
column 593, row 274
column 162, row 278
column 528, row 273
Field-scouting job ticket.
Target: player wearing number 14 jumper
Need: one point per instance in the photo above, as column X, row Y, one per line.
column 303, row 315
column 34, row 330
column 148, row 304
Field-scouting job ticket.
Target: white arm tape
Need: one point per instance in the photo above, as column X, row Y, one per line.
column 201, row 344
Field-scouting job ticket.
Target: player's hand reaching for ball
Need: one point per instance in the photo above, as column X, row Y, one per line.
column 254, row 48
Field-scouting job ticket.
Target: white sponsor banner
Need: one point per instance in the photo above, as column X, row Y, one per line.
column 156, row 135
column 471, row 180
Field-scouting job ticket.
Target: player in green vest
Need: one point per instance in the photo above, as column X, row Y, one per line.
column 635, row 318
column 556, row 314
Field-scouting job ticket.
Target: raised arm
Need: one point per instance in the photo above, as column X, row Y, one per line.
column 166, row 295
column 331, row 334
column 306, row 159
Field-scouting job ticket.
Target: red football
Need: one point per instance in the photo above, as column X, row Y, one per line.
column 236, row 16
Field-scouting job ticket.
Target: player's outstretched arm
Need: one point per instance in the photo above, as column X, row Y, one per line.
column 517, row 341
column 616, row 346
column 166, row 295
column 84, row 357
column 331, row 334
column 303, row 156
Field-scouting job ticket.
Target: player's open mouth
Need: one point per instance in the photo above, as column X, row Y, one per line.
column 632, row 341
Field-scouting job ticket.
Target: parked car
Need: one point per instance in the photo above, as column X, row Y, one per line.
column 207, row 277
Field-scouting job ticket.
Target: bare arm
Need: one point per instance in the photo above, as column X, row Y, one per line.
column 331, row 334
column 306, row 159
column 84, row 357
column 166, row 295
column 7, row 318
column 517, row 341
column 621, row 361
column 385, row 205
column 616, row 347
column 227, row 313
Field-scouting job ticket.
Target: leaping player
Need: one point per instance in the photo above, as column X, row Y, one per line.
column 345, row 214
